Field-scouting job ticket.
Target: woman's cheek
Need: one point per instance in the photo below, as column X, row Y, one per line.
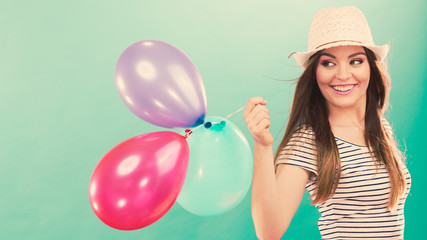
column 322, row 76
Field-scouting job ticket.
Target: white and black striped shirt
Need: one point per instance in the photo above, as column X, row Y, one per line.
column 358, row 209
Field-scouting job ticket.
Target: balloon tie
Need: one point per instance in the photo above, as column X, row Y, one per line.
column 187, row 133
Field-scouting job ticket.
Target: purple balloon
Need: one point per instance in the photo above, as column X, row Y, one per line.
column 161, row 85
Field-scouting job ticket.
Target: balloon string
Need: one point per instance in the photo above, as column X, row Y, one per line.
column 231, row 114
column 188, row 131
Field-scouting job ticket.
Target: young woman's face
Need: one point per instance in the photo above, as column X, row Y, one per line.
column 343, row 76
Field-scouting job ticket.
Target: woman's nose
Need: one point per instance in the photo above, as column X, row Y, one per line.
column 343, row 72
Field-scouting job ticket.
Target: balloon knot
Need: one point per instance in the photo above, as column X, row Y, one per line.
column 208, row 125
column 188, row 132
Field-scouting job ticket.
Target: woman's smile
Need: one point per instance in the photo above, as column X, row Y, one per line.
column 343, row 89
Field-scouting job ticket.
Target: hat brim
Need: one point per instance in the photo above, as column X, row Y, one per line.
column 380, row 51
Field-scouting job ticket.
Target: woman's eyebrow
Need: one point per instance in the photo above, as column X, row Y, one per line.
column 352, row 55
column 355, row 54
column 328, row 54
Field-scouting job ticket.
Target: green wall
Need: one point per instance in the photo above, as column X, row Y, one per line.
column 60, row 111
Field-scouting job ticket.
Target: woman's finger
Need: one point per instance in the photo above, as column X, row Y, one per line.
column 260, row 115
column 257, row 109
column 264, row 124
column 252, row 103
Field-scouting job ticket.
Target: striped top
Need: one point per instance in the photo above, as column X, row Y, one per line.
column 358, row 209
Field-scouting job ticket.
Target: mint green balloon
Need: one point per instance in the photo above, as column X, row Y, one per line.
column 219, row 170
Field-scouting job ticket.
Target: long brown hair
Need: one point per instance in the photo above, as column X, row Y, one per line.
column 309, row 109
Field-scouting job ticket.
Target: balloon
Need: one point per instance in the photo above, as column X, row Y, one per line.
column 161, row 85
column 219, row 171
column 138, row 180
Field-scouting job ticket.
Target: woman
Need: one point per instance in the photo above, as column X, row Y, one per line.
column 337, row 143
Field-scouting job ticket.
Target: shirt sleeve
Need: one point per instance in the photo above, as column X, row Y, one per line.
column 300, row 151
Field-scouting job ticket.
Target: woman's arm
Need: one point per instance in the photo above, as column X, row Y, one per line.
column 275, row 197
column 265, row 204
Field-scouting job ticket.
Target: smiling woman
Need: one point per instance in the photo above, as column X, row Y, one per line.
column 343, row 77
column 337, row 144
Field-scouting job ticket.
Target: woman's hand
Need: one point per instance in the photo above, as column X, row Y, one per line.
column 257, row 119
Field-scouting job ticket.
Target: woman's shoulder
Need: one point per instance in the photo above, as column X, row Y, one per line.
column 305, row 131
column 300, row 150
column 303, row 136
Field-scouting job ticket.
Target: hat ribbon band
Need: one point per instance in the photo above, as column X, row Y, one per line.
column 336, row 42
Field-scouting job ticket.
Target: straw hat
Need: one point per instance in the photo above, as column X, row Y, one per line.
column 340, row 26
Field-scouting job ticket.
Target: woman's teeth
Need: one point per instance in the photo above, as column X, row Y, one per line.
column 343, row 88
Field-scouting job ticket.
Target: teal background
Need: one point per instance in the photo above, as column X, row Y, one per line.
column 60, row 111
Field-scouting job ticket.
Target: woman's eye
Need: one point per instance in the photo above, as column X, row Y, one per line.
column 327, row 63
column 356, row 61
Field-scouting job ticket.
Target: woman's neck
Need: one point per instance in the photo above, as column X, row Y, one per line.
column 347, row 117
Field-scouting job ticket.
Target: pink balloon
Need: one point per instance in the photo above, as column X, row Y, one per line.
column 138, row 180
